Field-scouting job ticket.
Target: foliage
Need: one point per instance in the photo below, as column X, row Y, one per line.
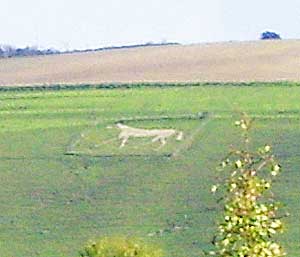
column 119, row 247
column 250, row 220
column 267, row 35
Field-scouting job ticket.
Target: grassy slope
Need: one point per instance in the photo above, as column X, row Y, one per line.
column 237, row 61
column 51, row 203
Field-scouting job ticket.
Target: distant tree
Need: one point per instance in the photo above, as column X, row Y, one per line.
column 268, row 35
column 8, row 51
column 50, row 51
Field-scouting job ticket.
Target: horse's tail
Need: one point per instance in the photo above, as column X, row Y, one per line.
column 179, row 136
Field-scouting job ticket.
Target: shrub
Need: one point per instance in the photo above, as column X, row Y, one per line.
column 250, row 218
column 267, row 35
column 119, row 247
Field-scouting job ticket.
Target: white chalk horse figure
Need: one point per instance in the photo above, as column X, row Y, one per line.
column 157, row 134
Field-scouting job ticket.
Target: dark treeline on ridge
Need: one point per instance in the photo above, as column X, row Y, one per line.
column 7, row 51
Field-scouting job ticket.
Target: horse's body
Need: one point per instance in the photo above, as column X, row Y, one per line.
column 157, row 134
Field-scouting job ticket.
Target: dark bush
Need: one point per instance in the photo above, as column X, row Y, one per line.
column 119, row 247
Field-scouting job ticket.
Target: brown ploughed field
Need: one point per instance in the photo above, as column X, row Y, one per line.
column 214, row 62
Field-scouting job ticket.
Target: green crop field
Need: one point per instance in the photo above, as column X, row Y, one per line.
column 65, row 180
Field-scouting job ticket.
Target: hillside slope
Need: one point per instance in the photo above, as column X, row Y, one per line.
column 225, row 62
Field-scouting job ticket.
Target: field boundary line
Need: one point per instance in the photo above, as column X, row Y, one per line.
column 167, row 155
column 78, row 138
column 199, row 115
column 258, row 116
column 190, row 140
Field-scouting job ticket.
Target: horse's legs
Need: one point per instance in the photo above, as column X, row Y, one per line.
column 155, row 139
column 124, row 140
column 163, row 141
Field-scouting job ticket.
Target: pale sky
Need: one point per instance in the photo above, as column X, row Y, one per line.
column 69, row 24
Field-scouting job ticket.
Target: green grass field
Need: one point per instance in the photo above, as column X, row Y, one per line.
column 51, row 203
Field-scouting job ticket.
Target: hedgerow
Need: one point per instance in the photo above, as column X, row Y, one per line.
column 141, row 85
